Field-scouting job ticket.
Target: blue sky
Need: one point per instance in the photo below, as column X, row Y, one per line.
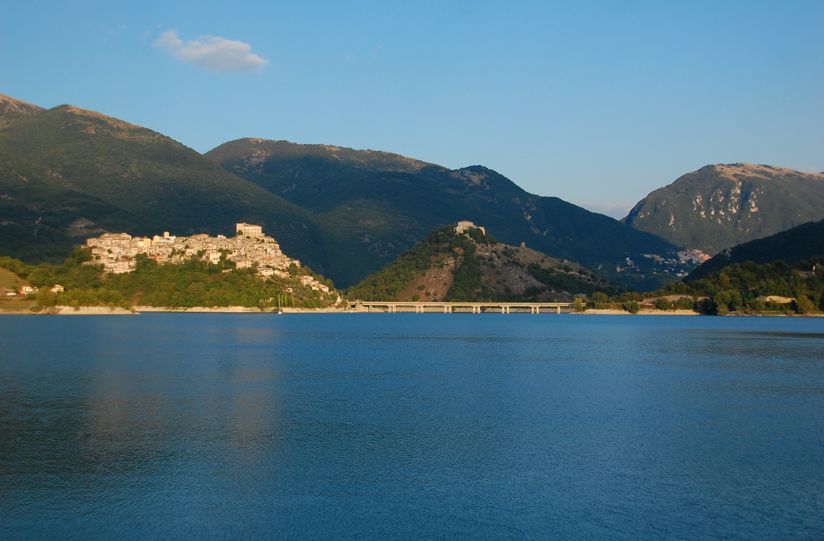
column 595, row 102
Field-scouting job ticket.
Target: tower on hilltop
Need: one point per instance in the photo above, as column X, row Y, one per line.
column 248, row 230
column 465, row 225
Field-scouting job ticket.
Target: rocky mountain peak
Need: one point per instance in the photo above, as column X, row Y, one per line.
column 741, row 171
column 12, row 105
column 722, row 205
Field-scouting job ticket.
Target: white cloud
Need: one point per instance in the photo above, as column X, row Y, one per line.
column 212, row 52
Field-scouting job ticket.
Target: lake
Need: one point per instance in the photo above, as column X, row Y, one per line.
column 427, row 426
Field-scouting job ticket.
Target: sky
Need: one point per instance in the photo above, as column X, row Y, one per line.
column 598, row 103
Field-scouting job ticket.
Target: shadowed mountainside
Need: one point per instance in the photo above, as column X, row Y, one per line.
column 798, row 244
column 374, row 205
column 67, row 173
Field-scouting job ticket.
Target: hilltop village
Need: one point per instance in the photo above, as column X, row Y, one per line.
column 250, row 248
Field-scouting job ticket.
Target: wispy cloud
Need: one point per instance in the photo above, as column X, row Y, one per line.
column 212, row 52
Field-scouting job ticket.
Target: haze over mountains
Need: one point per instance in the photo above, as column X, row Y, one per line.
column 68, row 173
column 720, row 206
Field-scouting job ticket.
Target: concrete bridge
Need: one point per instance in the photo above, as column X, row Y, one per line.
column 462, row 307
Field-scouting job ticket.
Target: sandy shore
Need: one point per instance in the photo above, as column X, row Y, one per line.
column 104, row 310
column 71, row 311
column 236, row 310
column 90, row 311
column 616, row 312
column 198, row 309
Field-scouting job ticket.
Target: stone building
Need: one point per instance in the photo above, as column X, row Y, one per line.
column 465, row 225
column 248, row 230
column 250, row 248
column 117, row 252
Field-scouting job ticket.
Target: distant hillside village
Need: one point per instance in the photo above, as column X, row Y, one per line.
column 249, row 248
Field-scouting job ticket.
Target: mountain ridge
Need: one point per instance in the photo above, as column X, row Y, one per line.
column 722, row 205
column 390, row 206
column 13, row 105
column 67, row 173
column 11, row 108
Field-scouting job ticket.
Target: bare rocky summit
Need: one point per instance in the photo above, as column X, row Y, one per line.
column 11, row 108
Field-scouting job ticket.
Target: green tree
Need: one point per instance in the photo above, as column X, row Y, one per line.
column 685, row 303
column 45, row 298
column 599, row 300
column 632, row 307
column 663, row 304
column 803, row 305
column 41, row 276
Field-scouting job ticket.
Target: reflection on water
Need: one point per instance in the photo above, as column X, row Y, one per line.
column 376, row 426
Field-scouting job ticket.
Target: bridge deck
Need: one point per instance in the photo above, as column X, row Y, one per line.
column 459, row 306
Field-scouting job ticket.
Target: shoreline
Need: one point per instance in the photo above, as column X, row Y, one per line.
column 136, row 310
column 617, row 312
column 237, row 310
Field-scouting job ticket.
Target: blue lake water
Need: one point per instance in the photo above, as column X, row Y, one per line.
column 378, row 426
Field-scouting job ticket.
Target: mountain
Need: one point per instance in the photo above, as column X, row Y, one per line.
column 720, row 206
column 466, row 263
column 798, row 244
column 374, row 205
column 11, row 108
column 68, row 173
